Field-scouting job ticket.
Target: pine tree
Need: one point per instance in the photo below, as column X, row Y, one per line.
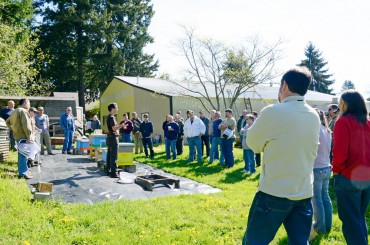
column 348, row 85
column 90, row 41
column 316, row 64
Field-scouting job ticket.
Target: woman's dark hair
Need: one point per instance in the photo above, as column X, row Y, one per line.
column 356, row 105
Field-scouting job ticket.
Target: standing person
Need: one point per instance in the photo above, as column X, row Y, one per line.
column 228, row 140
column 5, row 114
column 210, row 129
column 20, row 122
column 112, row 140
column 146, row 130
column 42, row 122
column 171, row 132
column 180, row 135
column 35, row 131
column 242, row 121
column 67, row 122
column 351, row 166
column 95, row 124
column 248, row 154
column 126, row 129
column 205, row 136
column 216, row 140
column 290, row 146
column 321, row 203
column 136, row 133
column 257, row 155
column 333, row 112
column 194, row 128
column 88, row 127
column 164, row 126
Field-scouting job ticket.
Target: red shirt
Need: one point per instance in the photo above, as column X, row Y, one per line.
column 351, row 150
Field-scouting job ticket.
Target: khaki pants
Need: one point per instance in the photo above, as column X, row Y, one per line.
column 138, row 143
column 45, row 139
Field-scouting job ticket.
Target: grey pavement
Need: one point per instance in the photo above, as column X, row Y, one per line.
column 77, row 179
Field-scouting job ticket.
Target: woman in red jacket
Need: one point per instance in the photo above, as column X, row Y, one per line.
column 351, row 166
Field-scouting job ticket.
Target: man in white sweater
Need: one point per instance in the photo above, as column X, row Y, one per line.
column 288, row 135
column 194, row 128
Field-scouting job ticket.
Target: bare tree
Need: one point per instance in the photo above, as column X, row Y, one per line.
column 217, row 76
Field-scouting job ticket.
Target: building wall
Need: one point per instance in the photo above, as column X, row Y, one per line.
column 130, row 99
column 120, row 93
column 156, row 105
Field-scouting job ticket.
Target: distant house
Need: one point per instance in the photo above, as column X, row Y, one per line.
column 159, row 97
column 54, row 105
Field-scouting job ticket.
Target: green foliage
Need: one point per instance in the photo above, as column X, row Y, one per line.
column 91, row 41
column 187, row 219
column 316, row 64
column 16, row 12
column 348, row 85
column 15, row 61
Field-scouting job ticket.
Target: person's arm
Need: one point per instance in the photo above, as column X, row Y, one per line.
column 258, row 133
column 341, row 145
column 47, row 122
column 62, row 124
column 26, row 125
column 99, row 124
column 202, row 128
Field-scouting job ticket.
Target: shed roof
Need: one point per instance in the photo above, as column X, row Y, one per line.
column 169, row 88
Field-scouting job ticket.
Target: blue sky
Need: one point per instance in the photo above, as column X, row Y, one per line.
column 339, row 29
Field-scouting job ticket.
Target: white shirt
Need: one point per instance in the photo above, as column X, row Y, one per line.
column 288, row 135
column 323, row 152
column 194, row 129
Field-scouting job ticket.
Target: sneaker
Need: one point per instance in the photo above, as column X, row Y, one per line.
column 115, row 175
column 26, row 176
column 50, row 154
column 64, row 152
column 69, row 153
column 245, row 171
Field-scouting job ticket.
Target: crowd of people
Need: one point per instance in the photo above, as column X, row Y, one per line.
column 302, row 146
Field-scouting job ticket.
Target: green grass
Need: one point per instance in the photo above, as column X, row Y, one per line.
column 188, row 219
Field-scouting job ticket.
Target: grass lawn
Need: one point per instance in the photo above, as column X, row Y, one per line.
column 188, row 219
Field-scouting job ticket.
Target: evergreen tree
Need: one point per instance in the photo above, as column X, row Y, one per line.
column 316, row 64
column 90, row 41
column 348, row 85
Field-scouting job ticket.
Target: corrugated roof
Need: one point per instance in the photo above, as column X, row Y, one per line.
column 169, row 88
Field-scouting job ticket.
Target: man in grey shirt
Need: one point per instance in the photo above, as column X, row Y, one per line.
column 42, row 122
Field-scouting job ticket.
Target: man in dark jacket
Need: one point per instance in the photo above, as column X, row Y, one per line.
column 136, row 133
column 146, row 130
column 180, row 135
column 171, row 131
column 205, row 137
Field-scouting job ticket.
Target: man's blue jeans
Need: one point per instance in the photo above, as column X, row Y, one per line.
column 170, row 146
column 68, row 140
column 249, row 163
column 352, row 200
column 322, row 208
column 216, row 145
column 227, row 151
column 195, row 142
column 22, row 164
column 267, row 213
column 126, row 138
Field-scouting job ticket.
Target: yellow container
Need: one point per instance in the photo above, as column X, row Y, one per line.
column 125, row 159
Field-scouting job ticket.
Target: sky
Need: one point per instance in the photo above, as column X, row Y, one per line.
column 340, row 29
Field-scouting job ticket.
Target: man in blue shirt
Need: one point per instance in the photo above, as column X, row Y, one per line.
column 67, row 122
column 171, row 131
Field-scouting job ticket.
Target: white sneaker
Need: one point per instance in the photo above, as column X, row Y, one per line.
column 245, row 171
